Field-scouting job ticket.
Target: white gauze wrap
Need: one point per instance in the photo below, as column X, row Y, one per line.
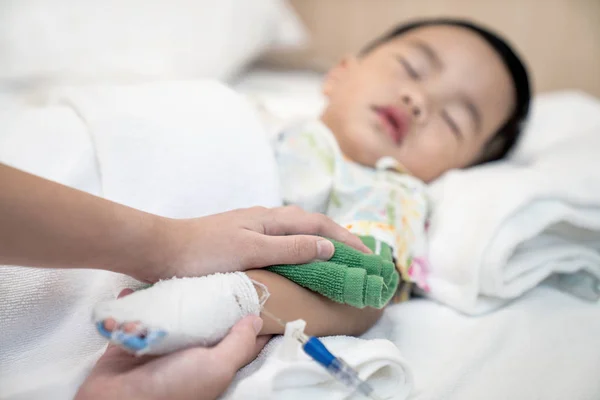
column 192, row 311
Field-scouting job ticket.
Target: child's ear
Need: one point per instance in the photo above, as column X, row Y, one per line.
column 336, row 73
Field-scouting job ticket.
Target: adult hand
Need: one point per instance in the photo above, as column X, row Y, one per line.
column 196, row 373
column 246, row 239
column 85, row 231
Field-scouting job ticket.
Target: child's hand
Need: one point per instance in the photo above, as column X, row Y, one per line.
column 244, row 239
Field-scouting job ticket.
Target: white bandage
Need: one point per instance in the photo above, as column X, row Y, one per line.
column 191, row 311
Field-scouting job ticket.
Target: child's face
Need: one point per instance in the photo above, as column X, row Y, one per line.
column 431, row 98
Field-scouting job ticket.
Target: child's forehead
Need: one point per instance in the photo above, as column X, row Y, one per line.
column 439, row 37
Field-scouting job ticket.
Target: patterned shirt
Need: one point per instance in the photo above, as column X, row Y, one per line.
column 383, row 202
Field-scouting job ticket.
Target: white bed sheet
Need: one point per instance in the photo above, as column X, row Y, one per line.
column 546, row 345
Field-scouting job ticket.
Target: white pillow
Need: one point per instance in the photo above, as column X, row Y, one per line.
column 71, row 41
column 555, row 117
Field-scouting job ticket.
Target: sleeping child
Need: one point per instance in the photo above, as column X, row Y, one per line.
column 425, row 98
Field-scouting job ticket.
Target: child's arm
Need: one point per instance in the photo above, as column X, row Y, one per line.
column 323, row 317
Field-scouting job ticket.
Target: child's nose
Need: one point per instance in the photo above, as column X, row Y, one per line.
column 416, row 104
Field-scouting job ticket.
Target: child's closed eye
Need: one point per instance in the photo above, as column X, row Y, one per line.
column 452, row 124
column 412, row 72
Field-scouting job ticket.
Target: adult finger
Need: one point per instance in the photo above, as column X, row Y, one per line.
column 296, row 249
column 293, row 220
column 205, row 373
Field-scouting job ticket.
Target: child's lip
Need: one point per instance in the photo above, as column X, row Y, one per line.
column 394, row 121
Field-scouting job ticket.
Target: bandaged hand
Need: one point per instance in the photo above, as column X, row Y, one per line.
column 244, row 239
column 197, row 373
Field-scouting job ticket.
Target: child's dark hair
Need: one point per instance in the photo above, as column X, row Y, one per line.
column 509, row 133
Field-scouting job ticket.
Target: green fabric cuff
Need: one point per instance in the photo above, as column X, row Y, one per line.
column 350, row 276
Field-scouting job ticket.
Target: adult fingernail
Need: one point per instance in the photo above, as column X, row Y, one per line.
column 125, row 292
column 325, row 249
column 257, row 324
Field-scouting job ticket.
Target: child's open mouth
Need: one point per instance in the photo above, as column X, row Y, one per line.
column 393, row 121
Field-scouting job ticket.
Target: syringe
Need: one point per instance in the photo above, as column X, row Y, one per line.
column 336, row 366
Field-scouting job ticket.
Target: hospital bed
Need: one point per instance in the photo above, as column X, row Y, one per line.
column 545, row 344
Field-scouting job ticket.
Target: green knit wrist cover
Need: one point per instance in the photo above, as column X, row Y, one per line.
column 350, row 276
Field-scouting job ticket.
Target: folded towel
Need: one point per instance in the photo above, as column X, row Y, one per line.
column 499, row 230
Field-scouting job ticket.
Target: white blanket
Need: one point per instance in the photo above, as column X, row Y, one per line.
column 173, row 149
column 499, row 230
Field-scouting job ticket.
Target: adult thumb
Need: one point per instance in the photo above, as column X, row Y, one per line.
column 205, row 373
column 240, row 346
column 293, row 249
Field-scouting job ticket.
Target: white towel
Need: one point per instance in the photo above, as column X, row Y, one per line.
column 501, row 229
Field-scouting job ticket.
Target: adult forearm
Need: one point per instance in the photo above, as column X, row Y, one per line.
column 46, row 224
